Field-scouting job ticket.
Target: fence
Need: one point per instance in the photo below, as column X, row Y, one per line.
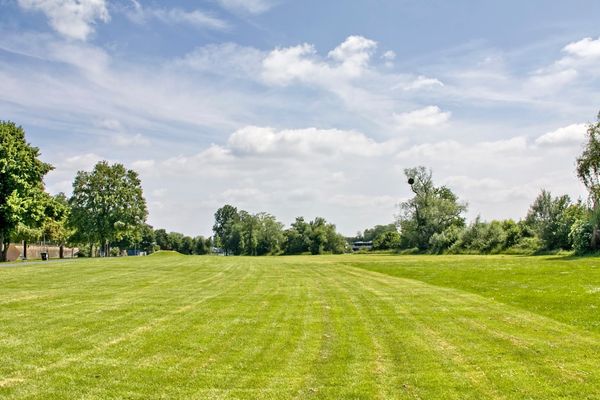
column 15, row 252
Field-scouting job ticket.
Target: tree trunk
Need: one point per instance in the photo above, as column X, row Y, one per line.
column 3, row 248
column 24, row 249
column 595, row 238
column 91, row 250
column 61, row 251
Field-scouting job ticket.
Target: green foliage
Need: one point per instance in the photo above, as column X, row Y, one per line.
column 202, row 245
column 432, row 210
column 387, row 240
column 297, row 237
column 551, row 219
column 378, row 230
column 227, row 235
column 22, row 197
column 581, row 236
column 588, row 163
column 162, row 239
column 107, row 204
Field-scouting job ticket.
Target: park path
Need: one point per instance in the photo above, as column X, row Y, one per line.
column 274, row 328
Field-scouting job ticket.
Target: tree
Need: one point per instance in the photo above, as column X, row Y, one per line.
column 107, row 204
column 588, row 171
column 551, row 219
column 202, row 245
column 432, row 210
column 187, row 245
column 226, row 233
column 175, row 240
column 270, row 234
column 162, row 239
column 297, row 237
column 22, row 196
column 387, row 240
column 56, row 225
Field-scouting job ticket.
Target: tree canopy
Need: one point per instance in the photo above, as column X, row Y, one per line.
column 22, row 197
column 107, row 204
column 431, row 210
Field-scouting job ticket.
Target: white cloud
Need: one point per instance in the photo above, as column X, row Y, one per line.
column 254, row 140
column 249, row 6
column 584, row 48
column 422, row 82
column 573, row 134
column 73, row 19
column 429, row 116
column 228, row 59
column 196, row 18
column 143, row 165
column 553, row 80
column 300, row 63
column 353, row 55
column 125, row 140
column 389, row 55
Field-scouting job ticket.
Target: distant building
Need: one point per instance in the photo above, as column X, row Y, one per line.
column 356, row 246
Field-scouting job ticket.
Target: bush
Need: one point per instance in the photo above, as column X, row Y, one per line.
column 441, row 242
column 581, row 236
column 527, row 245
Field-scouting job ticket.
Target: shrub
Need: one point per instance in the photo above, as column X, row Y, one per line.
column 581, row 236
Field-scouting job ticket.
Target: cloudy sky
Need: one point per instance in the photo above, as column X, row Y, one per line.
column 306, row 107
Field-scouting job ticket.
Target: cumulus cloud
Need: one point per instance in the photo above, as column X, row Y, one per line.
column 573, row 134
column 254, row 140
column 73, row 19
column 584, row 48
column 429, row 116
column 300, row 63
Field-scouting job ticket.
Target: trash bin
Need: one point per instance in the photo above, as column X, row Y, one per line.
column 44, row 256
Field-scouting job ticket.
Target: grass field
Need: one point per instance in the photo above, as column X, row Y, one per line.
column 339, row 327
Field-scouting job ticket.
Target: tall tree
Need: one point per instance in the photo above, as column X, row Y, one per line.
column 432, row 210
column 107, row 203
column 588, row 171
column 551, row 219
column 227, row 235
column 22, row 196
column 56, row 225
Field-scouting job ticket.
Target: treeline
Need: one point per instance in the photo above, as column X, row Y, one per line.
column 432, row 220
column 243, row 233
column 106, row 214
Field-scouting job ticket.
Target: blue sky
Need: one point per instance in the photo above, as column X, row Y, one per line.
column 306, row 107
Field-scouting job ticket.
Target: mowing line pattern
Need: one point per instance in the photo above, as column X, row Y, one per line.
column 274, row 328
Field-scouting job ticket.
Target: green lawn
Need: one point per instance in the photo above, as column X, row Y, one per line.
column 338, row 327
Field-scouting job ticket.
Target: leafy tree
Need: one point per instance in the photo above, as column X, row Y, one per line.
column 378, row 230
column 318, row 235
column 387, row 240
column 588, row 171
column 270, row 234
column 432, row 210
column 226, row 233
column 56, row 225
column 297, row 237
column 551, row 219
column 22, row 196
column 162, row 239
column 187, row 245
column 202, row 245
column 107, row 204
column 175, row 240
